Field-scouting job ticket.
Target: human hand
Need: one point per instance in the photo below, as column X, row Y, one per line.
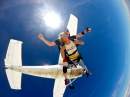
column 40, row 36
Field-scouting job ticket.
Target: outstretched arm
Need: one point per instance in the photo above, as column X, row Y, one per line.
column 42, row 38
column 87, row 30
column 79, row 42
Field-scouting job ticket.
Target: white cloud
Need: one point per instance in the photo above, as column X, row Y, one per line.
column 9, row 4
column 81, row 3
column 127, row 92
column 118, row 86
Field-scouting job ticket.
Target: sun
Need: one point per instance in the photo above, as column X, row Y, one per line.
column 52, row 19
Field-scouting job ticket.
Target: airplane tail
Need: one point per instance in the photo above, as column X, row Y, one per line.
column 13, row 58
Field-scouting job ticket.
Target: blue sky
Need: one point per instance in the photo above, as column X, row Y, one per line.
column 104, row 53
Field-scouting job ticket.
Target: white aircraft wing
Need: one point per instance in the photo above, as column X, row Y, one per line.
column 72, row 24
column 13, row 58
column 59, row 86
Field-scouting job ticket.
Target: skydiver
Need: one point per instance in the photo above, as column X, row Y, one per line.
column 68, row 48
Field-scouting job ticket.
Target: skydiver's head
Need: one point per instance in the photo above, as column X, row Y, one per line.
column 64, row 36
column 88, row 29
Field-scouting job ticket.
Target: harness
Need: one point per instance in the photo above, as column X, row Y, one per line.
column 73, row 56
column 72, row 52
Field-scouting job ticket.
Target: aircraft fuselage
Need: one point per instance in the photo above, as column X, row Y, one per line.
column 51, row 71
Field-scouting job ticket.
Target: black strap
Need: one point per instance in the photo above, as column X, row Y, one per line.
column 78, row 59
column 72, row 53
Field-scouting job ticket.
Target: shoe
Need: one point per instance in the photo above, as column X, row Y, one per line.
column 67, row 81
